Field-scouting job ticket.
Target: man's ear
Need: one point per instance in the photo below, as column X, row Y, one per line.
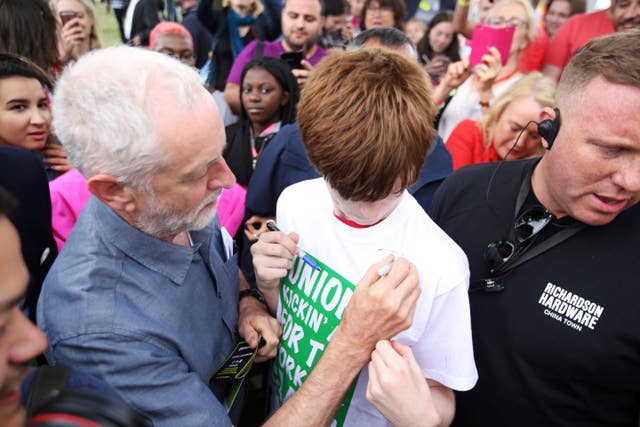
column 547, row 113
column 118, row 196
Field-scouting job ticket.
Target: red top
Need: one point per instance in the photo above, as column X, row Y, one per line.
column 466, row 145
column 575, row 33
column 533, row 55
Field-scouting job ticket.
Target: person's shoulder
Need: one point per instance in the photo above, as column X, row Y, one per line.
column 271, row 48
column 585, row 21
column 248, row 51
column 482, row 173
column 232, row 130
column 435, row 253
column 466, row 126
column 468, row 187
column 303, row 190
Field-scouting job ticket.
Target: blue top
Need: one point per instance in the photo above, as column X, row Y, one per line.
column 151, row 318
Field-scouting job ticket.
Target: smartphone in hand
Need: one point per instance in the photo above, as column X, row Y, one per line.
column 293, row 59
column 485, row 36
column 67, row 15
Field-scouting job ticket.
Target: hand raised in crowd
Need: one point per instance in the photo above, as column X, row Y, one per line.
column 488, row 70
column 301, row 74
column 72, row 38
column 272, row 257
column 397, row 387
column 456, row 74
column 347, row 32
column 55, row 156
column 381, row 307
column 437, row 66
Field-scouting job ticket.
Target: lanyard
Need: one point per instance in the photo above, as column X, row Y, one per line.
column 532, row 250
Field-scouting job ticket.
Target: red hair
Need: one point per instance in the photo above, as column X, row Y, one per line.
column 168, row 27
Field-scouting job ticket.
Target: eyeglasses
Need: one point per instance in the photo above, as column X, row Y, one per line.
column 497, row 21
column 526, row 227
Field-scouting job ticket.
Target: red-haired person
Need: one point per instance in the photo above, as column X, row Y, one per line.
column 368, row 138
column 174, row 40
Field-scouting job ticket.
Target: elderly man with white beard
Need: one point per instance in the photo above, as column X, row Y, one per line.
column 146, row 294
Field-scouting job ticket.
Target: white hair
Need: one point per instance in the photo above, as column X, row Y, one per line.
column 102, row 111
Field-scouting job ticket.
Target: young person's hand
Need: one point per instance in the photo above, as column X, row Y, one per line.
column 55, row 156
column 272, row 257
column 397, row 387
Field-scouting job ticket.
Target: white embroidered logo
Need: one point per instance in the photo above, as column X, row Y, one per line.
column 570, row 308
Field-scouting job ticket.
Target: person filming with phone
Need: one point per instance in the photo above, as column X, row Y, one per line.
column 301, row 26
column 78, row 30
column 477, row 84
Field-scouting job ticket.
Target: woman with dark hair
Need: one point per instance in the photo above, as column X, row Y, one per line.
column 558, row 11
column 233, row 26
column 25, row 116
column 439, row 46
column 383, row 13
column 28, row 29
column 268, row 97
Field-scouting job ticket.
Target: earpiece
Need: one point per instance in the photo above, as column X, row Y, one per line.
column 548, row 129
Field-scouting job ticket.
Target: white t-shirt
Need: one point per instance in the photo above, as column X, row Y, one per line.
column 440, row 335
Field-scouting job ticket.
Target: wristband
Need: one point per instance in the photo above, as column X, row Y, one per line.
column 253, row 292
column 463, row 3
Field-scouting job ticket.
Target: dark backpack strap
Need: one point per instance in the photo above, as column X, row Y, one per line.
column 47, row 383
column 259, row 50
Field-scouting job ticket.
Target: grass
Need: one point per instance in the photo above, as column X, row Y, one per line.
column 108, row 26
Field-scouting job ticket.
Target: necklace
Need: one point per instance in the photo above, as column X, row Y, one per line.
column 505, row 77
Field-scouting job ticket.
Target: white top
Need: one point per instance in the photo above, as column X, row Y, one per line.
column 440, row 335
column 465, row 104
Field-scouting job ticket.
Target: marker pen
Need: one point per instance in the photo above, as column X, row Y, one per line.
column 271, row 226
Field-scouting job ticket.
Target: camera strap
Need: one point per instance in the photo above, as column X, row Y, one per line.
column 47, row 383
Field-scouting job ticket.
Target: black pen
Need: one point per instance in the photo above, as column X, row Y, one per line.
column 271, row 226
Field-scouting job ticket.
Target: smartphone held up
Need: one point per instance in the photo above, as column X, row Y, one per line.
column 67, row 15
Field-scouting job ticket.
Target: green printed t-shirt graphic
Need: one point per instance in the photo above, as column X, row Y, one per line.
column 313, row 301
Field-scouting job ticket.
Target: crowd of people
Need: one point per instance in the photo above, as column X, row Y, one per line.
column 319, row 212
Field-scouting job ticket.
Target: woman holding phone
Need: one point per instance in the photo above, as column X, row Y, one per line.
column 439, row 46
column 78, row 31
column 476, row 87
